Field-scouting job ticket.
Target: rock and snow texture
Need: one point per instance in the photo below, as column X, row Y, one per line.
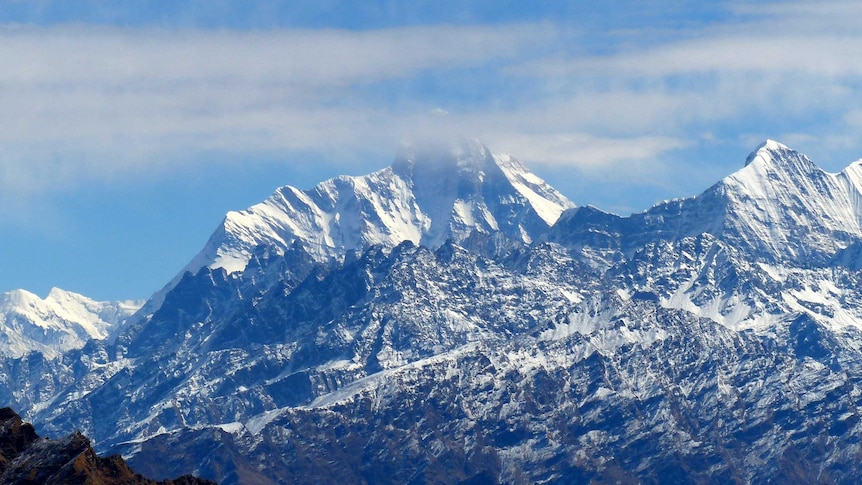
column 428, row 195
column 60, row 322
column 460, row 321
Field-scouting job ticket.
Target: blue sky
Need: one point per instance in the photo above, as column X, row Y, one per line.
column 128, row 129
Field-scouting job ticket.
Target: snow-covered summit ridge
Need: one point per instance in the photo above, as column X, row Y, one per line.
column 787, row 197
column 61, row 321
column 762, row 152
column 779, row 206
column 431, row 193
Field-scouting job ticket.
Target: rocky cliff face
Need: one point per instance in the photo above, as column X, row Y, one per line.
column 715, row 339
column 27, row 459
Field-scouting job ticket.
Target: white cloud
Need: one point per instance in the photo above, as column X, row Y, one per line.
column 80, row 103
column 802, row 17
column 588, row 152
column 119, row 57
column 819, row 54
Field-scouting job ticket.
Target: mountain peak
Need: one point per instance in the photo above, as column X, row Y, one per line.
column 765, row 150
column 61, row 321
column 433, row 191
column 463, row 157
column 772, row 155
column 781, row 193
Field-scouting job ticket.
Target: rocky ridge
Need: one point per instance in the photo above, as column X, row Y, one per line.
column 27, row 459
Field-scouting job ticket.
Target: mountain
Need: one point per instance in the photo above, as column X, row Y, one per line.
column 453, row 319
column 780, row 207
column 60, row 322
column 429, row 195
column 763, row 225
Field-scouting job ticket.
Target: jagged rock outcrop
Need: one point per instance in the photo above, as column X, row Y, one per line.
column 26, row 459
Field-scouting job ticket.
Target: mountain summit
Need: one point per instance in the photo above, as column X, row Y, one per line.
column 782, row 204
column 431, row 193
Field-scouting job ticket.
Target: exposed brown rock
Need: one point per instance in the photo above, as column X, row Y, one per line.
column 26, row 459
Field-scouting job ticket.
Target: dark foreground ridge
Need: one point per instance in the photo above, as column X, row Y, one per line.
column 27, row 459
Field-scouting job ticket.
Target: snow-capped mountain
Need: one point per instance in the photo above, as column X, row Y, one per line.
column 60, row 322
column 453, row 319
column 428, row 195
column 779, row 207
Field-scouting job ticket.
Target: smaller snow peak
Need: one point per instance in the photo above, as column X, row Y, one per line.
column 61, row 321
column 773, row 157
column 18, row 297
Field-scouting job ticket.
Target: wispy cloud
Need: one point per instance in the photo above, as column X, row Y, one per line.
column 84, row 101
column 766, row 70
column 80, row 102
column 589, row 152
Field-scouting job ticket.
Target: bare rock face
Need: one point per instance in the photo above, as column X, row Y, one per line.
column 15, row 437
column 26, row 459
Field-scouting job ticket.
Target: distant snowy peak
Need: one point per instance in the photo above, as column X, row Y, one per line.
column 779, row 206
column 773, row 162
column 60, row 322
column 431, row 193
column 781, row 197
